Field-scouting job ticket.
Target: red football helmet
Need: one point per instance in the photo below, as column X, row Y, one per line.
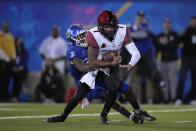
column 107, row 19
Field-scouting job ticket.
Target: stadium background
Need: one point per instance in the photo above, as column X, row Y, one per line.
column 32, row 20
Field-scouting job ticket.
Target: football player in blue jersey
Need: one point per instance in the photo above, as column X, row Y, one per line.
column 78, row 59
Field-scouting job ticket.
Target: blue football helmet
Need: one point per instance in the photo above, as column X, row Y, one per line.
column 76, row 34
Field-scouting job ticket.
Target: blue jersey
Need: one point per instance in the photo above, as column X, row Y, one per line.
column 80, row 52
column 144, row 44
column 76, row 52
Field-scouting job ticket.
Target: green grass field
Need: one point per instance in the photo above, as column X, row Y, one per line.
column 169, row 118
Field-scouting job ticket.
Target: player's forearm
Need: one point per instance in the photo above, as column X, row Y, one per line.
column 92, row 59
column 100, row 64
column 84, row 68
column 80, row 65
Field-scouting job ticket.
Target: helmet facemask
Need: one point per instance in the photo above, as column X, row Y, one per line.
column 108, row 30
column 82, row 39
column 76, row 34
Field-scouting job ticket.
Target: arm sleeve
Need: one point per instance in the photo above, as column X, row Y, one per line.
column 91, row 40
column 132, row 49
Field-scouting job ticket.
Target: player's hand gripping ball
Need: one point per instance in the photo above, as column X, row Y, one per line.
column 109, row 57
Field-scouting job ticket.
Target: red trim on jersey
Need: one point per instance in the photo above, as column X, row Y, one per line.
column 127, row 36
column 91, row 40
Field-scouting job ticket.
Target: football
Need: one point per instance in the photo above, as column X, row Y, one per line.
column 108, row 55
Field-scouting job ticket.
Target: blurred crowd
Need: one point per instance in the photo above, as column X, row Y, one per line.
column 159, row 77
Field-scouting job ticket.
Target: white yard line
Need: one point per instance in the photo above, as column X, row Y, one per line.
column 116, row 120
column 97, row 114
column 173, row 110
column 10, row 104
column 179, row 122
column 14, row 109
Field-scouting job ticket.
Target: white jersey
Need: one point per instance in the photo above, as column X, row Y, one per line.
column 95, row 39
column 105, row 45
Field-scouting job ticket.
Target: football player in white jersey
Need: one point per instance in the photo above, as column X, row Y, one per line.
column 109, row 35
